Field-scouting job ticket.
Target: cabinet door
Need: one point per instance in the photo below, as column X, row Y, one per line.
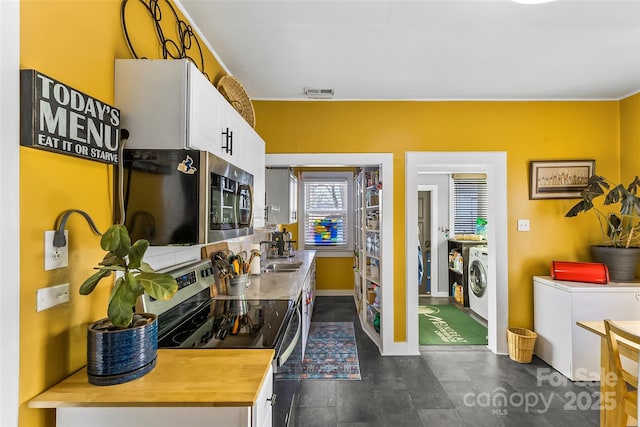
column 204, row 113
column 152, row 96
column 261, row 413
column 293, row 198
column 308, row 302
column 231, row 132
column 277, row 195
column 254, row 164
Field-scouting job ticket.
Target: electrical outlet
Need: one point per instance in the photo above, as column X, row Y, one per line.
column 55, row 257
column 52, row 296
column 523, row 225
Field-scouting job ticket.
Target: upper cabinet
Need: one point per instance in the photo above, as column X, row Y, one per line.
column 169, row 104
column 282, row 196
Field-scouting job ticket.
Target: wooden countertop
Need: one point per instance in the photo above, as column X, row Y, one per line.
column 597, row 326
column 182, row 377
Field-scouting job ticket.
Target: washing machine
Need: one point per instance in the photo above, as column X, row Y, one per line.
column 478, row 295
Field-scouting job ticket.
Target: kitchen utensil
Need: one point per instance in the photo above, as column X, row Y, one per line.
column 254, row 253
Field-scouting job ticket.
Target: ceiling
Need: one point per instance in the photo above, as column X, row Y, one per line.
column 426, row 49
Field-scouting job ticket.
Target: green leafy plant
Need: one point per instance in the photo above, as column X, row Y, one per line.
column 137, row 276
column 620, row 228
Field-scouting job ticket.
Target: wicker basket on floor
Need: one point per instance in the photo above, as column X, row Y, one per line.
column 521, row 342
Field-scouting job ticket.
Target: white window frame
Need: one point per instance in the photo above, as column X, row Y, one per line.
column 327, row 251
column 452, row 201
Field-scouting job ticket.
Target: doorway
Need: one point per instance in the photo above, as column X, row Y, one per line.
column 424, row 242
column 419, row 167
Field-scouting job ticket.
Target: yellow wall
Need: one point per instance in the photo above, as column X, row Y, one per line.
column 75, row 42
column 525, row 130
column 630, row 138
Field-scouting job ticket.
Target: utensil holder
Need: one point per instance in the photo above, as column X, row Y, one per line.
column 237, row 285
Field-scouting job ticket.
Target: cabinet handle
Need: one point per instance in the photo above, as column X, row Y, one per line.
column 272, row 399
column 227, row 141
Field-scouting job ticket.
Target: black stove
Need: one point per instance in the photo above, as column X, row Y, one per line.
column 194, row 318
column 230, row 324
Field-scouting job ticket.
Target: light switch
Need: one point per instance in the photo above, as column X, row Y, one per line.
column 51, row 296
column 523, row 225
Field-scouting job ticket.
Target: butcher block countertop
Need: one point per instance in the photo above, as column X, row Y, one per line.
column 184, row 377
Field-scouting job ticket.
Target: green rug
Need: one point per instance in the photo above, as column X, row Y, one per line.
column 448, row 325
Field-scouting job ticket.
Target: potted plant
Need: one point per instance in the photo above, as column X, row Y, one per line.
column 620, row 246
column 123, row 346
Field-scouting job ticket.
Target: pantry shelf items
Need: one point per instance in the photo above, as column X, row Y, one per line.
column 368, row 254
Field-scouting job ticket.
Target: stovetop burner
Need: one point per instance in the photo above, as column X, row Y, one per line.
column 230, row 324
column 193, row 319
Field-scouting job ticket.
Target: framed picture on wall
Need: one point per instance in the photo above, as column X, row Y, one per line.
column 559, row 179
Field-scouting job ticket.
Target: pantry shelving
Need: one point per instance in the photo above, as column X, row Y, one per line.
column 368, row 254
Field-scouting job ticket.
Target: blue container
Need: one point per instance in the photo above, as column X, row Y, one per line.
column 121, row 355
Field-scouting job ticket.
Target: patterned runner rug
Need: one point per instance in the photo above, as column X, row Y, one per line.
column 331, row 353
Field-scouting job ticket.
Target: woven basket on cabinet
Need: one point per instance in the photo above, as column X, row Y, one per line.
column 237, row 96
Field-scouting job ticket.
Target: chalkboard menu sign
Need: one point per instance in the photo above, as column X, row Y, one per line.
column 56, row 117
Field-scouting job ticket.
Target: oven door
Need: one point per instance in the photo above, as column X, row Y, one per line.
column 287, row 368
column 230, row 200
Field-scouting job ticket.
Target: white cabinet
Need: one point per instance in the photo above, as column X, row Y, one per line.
column 254, row 155
column 233, row 129
column 558, row 305
column 170, row 104
column 259, row 415
column 308, row 302
column 368, row 286
column 167, row 104
column 282, row 196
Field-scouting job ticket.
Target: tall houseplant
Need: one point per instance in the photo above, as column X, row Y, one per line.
column 620, row 228
column 123, row 346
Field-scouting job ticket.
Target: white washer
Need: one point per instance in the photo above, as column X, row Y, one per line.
column 478, row 295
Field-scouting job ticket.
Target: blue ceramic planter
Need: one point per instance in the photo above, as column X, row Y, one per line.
column 118, row 356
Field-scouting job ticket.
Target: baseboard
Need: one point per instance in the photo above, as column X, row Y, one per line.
column 334, row 292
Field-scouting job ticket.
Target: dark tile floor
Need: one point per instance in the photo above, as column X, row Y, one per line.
column 444, row 386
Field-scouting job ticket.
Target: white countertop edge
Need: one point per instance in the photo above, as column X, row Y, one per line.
column 588, row 287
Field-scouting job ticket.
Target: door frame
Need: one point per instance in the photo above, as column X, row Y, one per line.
column 433, row 224
column 389, row 347
column 494, row 165
column 10, row 211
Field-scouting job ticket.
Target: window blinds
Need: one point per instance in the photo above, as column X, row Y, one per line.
column 470, row 203
column 326, row 211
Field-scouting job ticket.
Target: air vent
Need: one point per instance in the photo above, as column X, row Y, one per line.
column 318, row 93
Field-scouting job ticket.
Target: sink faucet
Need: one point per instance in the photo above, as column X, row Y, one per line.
column 271, row 244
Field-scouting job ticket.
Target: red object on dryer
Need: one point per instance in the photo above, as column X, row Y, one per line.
column 590, row 272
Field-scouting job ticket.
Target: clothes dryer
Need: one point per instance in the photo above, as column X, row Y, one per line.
column 478, row 295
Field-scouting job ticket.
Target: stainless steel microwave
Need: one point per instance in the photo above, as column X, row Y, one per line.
column 185, row 197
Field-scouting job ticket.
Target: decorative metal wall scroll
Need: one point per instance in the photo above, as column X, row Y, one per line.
column 166, row 24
